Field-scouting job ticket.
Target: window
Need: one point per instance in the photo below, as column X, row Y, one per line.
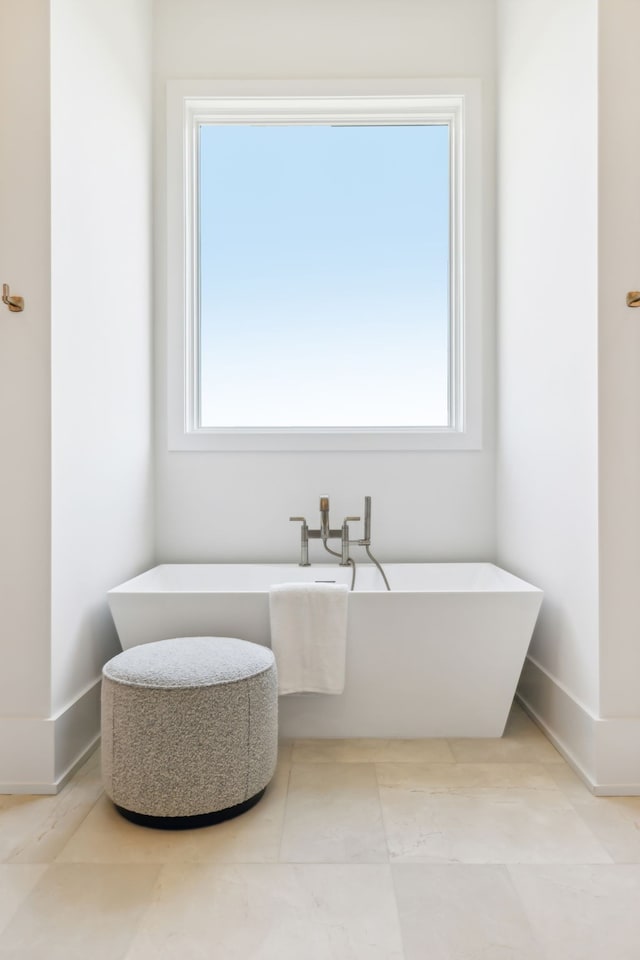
column 319, row 286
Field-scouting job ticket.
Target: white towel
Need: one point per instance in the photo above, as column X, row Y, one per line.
column 309, row 636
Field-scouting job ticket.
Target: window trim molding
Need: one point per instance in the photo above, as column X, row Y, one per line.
column 189, row 102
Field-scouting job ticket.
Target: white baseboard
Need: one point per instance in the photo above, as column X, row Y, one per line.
column 38, row 755
column 26, row 755
column 605, row 753
column 618, row 757
column 77, row 731
column 566, row 722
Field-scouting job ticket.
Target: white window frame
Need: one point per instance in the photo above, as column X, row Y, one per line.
column 190, row 103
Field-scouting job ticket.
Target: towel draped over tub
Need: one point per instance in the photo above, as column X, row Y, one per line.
column 309, row 636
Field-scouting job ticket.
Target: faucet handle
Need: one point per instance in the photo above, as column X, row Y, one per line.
column 350, row 519
column 344, row 555
column 304, row 541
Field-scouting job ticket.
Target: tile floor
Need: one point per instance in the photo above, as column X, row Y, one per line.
column 360, row 850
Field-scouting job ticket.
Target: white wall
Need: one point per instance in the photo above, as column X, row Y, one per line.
column 547, row 454
column 102, row 485
column 568, row 370
column 76, row 489
column 25, row 449
column 619, row 358
column 236, row 506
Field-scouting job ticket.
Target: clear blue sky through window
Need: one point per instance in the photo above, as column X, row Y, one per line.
column 324, row 273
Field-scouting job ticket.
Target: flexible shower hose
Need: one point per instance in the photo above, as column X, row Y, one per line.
column 353, row 564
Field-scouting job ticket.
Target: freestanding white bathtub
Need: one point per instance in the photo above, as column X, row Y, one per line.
column 439, row 656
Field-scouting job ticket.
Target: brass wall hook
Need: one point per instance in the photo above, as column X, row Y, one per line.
column 633, row 298
column 15, row 304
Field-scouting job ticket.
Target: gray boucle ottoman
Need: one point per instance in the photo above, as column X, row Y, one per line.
column 189, row 729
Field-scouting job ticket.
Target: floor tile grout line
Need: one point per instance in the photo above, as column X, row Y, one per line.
column 525, row 912
column 78, row 826
column 396, row 902
column 284, row 811
column 382, row 816
column 381, row 808
column 54, row 804
column 151, row 900
column 587, row 827
column 42, row 868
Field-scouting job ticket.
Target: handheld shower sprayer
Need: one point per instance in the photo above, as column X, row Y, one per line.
column 367, row 521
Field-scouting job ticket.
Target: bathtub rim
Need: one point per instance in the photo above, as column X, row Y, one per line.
column 143, row 583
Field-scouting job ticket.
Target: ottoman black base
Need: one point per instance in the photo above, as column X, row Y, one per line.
column 190, row 823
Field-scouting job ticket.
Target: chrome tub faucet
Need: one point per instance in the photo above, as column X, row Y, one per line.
column 325, row 532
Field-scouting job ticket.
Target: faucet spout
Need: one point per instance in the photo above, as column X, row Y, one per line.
column 324, row 518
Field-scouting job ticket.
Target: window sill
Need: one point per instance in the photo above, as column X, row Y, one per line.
column 279, row 440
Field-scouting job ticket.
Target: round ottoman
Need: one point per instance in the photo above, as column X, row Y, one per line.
column 189, row 729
